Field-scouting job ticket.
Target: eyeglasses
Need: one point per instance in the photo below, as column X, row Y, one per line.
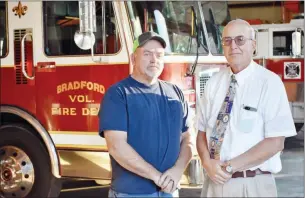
column 239, row 40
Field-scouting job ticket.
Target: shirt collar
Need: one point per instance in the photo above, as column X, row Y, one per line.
column 243, row 75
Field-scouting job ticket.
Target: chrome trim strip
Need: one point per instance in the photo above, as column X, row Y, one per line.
column 42, row 132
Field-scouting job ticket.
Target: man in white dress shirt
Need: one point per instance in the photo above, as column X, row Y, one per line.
column 242, row 131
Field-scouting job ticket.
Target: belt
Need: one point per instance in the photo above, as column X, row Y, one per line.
column 249, row 173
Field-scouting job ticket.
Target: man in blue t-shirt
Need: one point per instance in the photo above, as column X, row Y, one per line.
column 145, row 123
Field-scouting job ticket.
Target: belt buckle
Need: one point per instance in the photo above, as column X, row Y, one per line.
column 245, row 173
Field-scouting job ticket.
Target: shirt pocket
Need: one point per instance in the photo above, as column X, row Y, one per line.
column 248, row 120
column 174, row 105
column 175, row 112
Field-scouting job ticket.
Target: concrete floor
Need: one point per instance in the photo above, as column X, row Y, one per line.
column 290, row 181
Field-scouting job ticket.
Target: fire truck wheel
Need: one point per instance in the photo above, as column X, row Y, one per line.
column 25, row 168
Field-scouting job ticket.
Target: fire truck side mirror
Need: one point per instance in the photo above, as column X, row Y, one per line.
column 296, row 43
column 84, row 38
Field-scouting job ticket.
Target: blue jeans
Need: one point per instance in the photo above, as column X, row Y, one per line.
column 114, row 194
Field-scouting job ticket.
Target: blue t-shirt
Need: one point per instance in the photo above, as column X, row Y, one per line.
column 154, row 117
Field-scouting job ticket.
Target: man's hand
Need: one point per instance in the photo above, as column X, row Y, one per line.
column 170, row 179
column 169, row 185
column 156, row 178
column 216, row 173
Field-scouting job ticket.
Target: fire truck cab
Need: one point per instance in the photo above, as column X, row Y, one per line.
column 58, row 58
column 280, row 48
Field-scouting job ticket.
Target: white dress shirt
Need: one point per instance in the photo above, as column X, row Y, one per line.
column 269, row 115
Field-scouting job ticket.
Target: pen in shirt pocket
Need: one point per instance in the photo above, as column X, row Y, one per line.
column 248, row 108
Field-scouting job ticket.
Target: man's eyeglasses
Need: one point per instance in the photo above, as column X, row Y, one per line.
column 239, row 40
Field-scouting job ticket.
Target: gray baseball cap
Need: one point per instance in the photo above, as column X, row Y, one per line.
column 147, row 36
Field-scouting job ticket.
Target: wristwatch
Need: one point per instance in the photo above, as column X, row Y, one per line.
column 228, row 167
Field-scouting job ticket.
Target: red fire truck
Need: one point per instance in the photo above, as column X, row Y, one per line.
column 57, row 61
column 280, row 48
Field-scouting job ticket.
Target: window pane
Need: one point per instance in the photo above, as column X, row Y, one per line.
column 174, row 21
column 61, row 21
column 3, row 27
column 216, row 16
column 282, row 43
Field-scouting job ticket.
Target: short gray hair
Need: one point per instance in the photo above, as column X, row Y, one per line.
column 252, row 31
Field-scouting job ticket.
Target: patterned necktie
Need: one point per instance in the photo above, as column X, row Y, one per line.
column 223, row 118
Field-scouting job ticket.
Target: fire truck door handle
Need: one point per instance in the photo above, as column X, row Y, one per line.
column 23, row 58
column 46, row 66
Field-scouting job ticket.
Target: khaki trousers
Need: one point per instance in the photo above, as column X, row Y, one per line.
column 258, row 186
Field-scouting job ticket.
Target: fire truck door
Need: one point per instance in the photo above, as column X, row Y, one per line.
column 69, row 84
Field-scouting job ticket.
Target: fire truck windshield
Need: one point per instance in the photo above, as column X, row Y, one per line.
column 216, row 16
column 174, row 21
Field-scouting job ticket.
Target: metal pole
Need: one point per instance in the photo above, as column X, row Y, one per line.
column 104, row 26
column 1, row 47
column 1, row 52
